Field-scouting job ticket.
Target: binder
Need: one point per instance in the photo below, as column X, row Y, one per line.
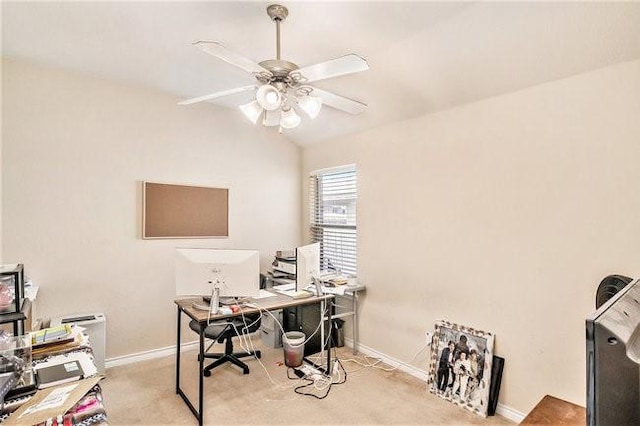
column 57, row 374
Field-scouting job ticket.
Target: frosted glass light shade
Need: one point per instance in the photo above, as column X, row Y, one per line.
column 271, row 118
column 289, row 119
column 252, row 111
column 269, row 97
column 311, row 105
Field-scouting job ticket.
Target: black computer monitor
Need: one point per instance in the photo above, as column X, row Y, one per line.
column 613, row 360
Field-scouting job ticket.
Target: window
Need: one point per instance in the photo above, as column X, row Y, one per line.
column 333, row 194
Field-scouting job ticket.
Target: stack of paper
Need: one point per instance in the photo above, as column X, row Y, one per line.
column 51, row 335
column 75, row 339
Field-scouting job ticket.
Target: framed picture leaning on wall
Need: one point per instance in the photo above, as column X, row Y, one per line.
column 460, row 365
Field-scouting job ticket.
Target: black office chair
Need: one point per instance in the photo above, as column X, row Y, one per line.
column 224, row 332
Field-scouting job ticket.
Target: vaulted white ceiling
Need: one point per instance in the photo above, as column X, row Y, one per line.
column 423, row 56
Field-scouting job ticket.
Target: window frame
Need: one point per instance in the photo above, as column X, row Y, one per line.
column 338, row 241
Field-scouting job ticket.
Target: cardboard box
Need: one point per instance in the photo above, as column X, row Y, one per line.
column 28, row 415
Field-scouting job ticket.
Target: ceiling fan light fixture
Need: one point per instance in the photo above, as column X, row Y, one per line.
column 252, row 111
column 282, row 86
column 311, row 105
column 289, row 119
column 269, row 97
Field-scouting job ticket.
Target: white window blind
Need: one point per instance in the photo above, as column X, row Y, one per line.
column 333, row 196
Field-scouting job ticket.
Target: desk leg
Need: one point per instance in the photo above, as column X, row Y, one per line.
column 323, row 342
column 178, row 327
column 201, row 384
column 355, row 322
column 323, row 305
column 199, row 413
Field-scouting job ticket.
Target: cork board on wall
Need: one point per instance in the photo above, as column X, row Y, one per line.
column 181, row 211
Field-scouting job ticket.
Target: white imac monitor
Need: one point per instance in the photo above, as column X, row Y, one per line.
column 307, row 265
column 235, row 272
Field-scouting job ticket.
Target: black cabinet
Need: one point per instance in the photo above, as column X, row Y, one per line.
column 17, row 309
column 12, row 280
column 17, row 318
column 306, row 319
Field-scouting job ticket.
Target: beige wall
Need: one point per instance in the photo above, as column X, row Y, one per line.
column 503, row 215
column 75, row 151
column 1, row 167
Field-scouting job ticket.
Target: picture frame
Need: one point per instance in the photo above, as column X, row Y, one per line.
column 464, row 380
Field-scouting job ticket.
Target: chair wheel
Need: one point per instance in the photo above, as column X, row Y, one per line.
column 206, row 373
column 258, row 355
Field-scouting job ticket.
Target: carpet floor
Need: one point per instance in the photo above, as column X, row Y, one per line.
column 144, row 394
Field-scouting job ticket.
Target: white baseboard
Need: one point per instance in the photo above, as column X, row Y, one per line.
column 509, row 413
column 149, row 355
column 501, row 409
column 400, row 365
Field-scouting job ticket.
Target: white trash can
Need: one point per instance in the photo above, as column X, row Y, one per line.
column 293, row 342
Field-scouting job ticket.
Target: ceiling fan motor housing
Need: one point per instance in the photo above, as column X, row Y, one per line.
column 279, row 67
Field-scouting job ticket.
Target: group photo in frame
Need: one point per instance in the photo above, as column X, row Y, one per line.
column 460, row 366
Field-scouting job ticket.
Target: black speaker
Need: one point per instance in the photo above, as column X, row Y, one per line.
column 494, row 387
column 609, row 287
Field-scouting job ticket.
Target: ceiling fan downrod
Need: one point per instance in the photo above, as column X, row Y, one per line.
column 280, row 70
column 277, row 14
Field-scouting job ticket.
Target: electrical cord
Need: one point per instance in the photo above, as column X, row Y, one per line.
column 246, row 344
column 261, row 309
column 316, row 387
column 368, row 364
column 321, row 384
column 249, row 344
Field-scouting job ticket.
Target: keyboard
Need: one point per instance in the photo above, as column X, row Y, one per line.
column 284, row 287
column 296, row 294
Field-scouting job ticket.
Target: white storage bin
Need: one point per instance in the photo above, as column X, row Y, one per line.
column 95, row 327
column 270, row 330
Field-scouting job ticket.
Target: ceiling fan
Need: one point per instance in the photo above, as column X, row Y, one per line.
column 281, row 86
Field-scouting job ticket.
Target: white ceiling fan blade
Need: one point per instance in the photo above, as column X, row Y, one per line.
column 217, row 95
column 219, row 51
column 343, row 65
column 339, row 102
